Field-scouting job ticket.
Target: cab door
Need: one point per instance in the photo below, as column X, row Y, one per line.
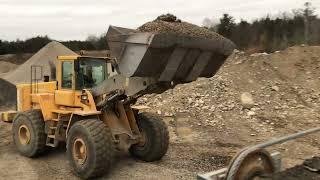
column 65, row 95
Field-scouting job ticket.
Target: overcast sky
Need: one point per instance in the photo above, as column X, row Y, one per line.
column 76, row 19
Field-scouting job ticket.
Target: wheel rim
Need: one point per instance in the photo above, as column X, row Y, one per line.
column 24, row 135
column 79, row 151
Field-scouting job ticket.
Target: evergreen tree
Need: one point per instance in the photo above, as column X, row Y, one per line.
column 226, row 25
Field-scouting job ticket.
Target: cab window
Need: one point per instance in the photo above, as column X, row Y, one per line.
column 91, row 72
column 67, row 69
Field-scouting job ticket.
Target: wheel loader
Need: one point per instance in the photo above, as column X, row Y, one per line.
column 90, row 105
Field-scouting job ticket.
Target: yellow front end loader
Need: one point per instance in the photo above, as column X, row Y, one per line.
column 66, row 111
column 90, row 105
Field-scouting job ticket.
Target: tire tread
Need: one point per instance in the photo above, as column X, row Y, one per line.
column 38, row 125
column 160, row 138
column 100, row 135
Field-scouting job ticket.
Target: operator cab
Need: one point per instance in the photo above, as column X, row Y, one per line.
column 83, row 72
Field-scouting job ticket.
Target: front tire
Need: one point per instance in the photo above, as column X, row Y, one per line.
column 155, row 138
column 90, row 148
column 29, row 133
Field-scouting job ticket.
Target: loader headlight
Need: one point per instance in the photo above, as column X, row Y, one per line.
column 84, row 97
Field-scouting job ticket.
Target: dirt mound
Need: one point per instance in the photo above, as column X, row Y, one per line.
column 22, row 74
column 280, row 81
column 285, row 89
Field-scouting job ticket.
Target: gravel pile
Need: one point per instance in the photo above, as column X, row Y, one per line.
column 6, row 67
column 246, row 89
column 168, row 18
column 8, row 93
column 15, row 58
column 171, row 24
column 22, row 74
column 42, row 58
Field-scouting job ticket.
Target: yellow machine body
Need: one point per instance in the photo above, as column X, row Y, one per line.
column 57, row 102
column 52, row 99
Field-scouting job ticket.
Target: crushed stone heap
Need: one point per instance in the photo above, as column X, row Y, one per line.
column 171, row 24
column 22, row 74
column 42, row 58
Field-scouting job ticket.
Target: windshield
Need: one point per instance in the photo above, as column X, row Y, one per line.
column 90, row 72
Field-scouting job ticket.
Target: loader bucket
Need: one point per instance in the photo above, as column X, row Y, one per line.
column 167, row 57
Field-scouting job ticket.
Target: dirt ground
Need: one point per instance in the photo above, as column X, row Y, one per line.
column 208, row 123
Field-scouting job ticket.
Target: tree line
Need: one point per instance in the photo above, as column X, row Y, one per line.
column 34, row 44
column 301, row 26
column 267, row 34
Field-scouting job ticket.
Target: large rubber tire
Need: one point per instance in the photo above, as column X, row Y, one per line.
column 156, row 138
column 99, row 148
column 33, row 120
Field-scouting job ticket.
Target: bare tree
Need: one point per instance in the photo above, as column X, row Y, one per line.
column 309, row 15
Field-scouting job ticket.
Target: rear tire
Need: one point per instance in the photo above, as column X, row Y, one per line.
column 29, row 133
column 90, row 148
column 156, row 140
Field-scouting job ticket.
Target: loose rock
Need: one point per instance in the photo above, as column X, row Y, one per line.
column 247, row 100
column 275, row 88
